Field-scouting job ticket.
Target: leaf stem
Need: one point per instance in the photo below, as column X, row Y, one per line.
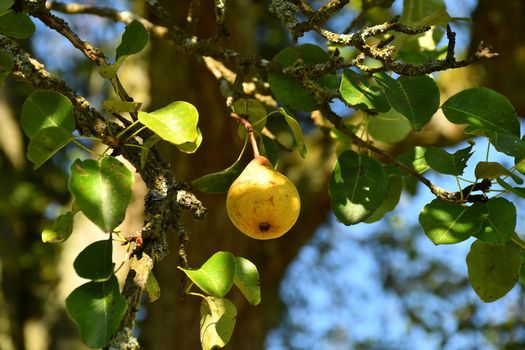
column 126, row 129
column 249, row 128
column 84, row 147
column 135, row 133
column 518, row 241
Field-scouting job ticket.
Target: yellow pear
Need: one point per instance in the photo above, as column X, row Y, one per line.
column 262, row 203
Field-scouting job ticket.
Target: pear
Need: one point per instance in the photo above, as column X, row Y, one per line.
column 262, row 203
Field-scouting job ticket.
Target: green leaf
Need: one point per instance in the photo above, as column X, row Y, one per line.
column 16, row 24
column 416, row 98
column 482, row 109
column 247, row 280
column 448, row 223
column 146, row 146
column 389, row 127
column 358, row 91
column 152, row 288
column 254, row 110
column 499, row 222
column 108, row 71
column 446, row 163
column 97, row 308
column 358, row 186
column 288, row 90
column 297, row 132
column 175, row 123
column 6, row 65
column 423, row 12
column 191, row 147
column 269, row 148
column 45, row 143
column 216, row 275
column 492, row 269
column 415, row 159
column 60, row 229
column 519, row 191
column 134, row 39
column 492, row 170
column 118, row 106
column 44, row 109
column 395, row 187
column 95, row 262
column 509, row 144
column 217, row 322
column 102, row 190
column 6, row 5
column 220, row 181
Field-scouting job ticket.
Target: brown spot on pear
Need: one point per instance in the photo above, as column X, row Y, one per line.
column 263, row 203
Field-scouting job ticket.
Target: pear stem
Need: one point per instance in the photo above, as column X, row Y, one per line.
column 249, row 128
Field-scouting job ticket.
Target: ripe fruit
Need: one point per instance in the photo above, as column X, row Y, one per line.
column 262, row 203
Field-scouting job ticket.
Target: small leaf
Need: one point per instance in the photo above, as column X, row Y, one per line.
column 134, row 39
column 247, row 280
column 6, row 65
column 191, row 147
column 118, row 106
column 102, row 190
column 146, row 146
column 175, row 123
column 108, row 71
column 297, row 132
column 493, row 269
column 492, row 170
column 482, row 109
column 152, row 288
column 216, row 275
column 389, row 127
column 217, row 322
column 269, row 149
column 45, row 143
column 395, row 187
column 44, row 109
column 446, row 163
column 358, row 186
column 357, row 91
column 16, row 24
column 60, row 230
column 97, row 308
column 288, row 90
column 519, row 191
column 221, row 181
column 254, row 110
column 499, row 223
column 416, row 98
column 95, row 262
column 449, row 223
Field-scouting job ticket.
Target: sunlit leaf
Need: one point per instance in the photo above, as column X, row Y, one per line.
column 102, row 190
column 191, row 147
column 358, row 91
column 357, row 187
column 217, row 322
column 97, row 308
column 297, row 131
column 389, row 127
column 247, row 280
column 175, row 123
column 395, row 187
column 448, row 223
column 254, row 110
column 493, row 269
column 44, row 109
column 45, row 143
column 60, row 229
column 95, row 261
column 152, row 288
column 446, row 163
column 482, row 109
column 416, row 98
column 216, row 275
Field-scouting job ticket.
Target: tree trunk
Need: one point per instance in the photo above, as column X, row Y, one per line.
column 172, row 323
